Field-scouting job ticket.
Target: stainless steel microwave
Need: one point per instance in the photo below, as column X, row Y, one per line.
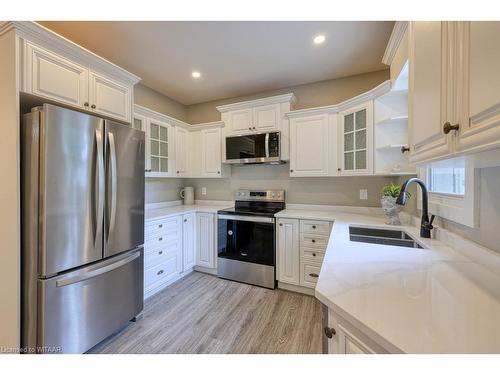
column 259, row 148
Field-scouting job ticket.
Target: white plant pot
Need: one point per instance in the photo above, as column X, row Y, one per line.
column 391, row 210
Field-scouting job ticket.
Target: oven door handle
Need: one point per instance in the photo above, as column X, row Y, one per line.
column 255, row 219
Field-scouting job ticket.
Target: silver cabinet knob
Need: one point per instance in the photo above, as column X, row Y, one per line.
column 160, row 226
column 250, row 128
column 218, row 172
column 253, row 128
column 185, row 220
column 281, row 224
column 160, row 252
column 92, row 106
column 159, row 272
column 314, row 226
column 313, row 241
column 160, row 239
column 448, row 127
column 314, row 254
column 86, row 104
column 315, row 275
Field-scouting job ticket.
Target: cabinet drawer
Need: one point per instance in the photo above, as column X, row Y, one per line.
column 161, row 226
column 315, row 227
column 309, row 274
column 160, row 239
column 312, row 255
column 164, row 270
column 313, row 241
column 156, row 255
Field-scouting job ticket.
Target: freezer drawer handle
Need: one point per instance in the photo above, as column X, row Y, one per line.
column 97, row 272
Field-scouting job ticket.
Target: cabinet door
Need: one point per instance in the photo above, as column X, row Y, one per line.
column 205, row 243
column 428, row 95
column 266, row 117
column 309, row 146
column 188, row 241
column 54, row 77
column 140, row 122
column 211, row 162
column 478, row 92
column 240, row 121
column 181, row 151
column 161, row 139
column 288, row 251
column 109, row 97
column 356, row 141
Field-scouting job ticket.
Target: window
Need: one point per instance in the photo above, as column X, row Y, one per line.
column 452, row 191
column 446, row 180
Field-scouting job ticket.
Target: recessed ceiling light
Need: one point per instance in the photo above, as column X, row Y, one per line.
column 196, row 74
column 319, row 39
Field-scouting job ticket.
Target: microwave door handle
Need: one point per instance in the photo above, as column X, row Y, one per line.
column 100, row 185
column 267, row 145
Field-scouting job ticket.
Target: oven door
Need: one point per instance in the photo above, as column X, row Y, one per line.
column 253, row 148
column 246, row 238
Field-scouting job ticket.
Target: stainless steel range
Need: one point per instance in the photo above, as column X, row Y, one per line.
column 247, row 237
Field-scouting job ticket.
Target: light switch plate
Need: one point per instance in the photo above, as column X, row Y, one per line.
column 363, row 194
column 203, row 191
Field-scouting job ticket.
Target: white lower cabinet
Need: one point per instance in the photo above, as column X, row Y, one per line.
column 174, row 245
column 301, row 249
column 188, row 240
column 344, row 338
column 288, row 251
column 205, row 240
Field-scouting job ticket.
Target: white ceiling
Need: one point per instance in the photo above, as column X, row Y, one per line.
column 234, row 58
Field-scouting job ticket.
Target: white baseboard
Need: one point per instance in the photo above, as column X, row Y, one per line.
column 296, row 288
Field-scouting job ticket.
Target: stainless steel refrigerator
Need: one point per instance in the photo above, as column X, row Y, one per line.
column 82, row 181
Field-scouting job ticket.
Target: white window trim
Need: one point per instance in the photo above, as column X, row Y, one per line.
column 460, row 209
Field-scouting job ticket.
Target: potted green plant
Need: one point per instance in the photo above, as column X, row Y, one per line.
column 391, row 210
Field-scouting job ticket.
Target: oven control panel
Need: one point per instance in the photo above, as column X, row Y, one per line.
column 260, row 195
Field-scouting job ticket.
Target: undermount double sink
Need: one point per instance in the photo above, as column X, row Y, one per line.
column 382, row 237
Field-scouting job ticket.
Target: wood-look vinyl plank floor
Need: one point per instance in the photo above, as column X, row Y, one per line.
column 204, row 314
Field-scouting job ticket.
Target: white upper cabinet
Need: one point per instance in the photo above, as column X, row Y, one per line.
column 266, row 118
column 478, row 99
column 356, row 128
column 428, row 95
column 239, row 122
column 109, row 98
column 309, row 144
column 62, row 80
column 211, row 155
column 454, row 100
column 161, row 149
column 181, row 151
column 49, row 75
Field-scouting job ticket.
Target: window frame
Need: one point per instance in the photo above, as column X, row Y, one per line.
column 461, row 209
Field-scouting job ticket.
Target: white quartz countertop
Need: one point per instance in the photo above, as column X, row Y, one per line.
column 433, row 300
column 157, row 213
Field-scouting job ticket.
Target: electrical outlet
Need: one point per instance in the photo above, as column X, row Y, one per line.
column 363, row 194
column 203, row 191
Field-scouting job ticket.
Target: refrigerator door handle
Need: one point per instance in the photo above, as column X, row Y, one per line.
column 97, row 272
column 112, row 215
column 100, row 195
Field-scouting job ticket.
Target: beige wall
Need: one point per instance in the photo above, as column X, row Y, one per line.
column 309, row 95
column 151, row 99
column 10, row 311
column 312, row 190
column 163, row 189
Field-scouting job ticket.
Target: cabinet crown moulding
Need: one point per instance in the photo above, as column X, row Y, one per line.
column 144, row 111
column 52, row 41
column 374, row 93
column 395, row 39
column 257, row 102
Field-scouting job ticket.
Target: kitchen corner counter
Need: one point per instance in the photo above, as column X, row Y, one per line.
column 153, row 213
column 431, row 300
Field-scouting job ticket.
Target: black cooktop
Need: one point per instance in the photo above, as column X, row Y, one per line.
column 254, row 208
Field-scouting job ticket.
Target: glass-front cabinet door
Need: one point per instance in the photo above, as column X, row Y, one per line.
column 160, row 149
column 139, row 122
column 356, row 139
